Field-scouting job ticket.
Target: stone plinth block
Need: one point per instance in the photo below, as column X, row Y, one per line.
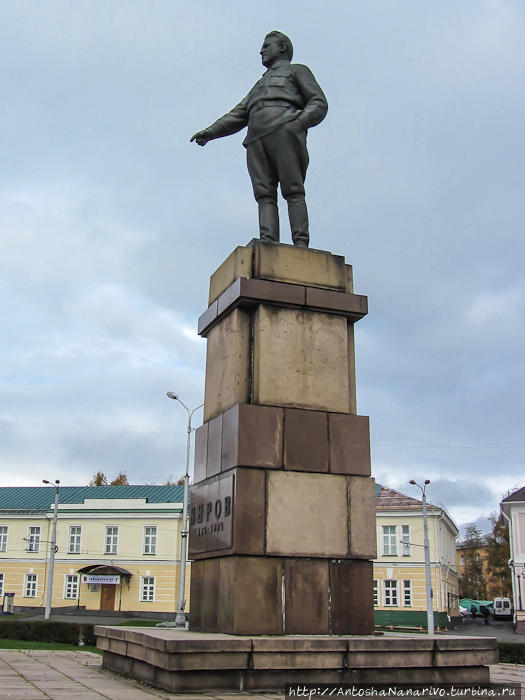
column 300, row 359
column 283, row 263
column 321, row 596
column 272, row 512
column 247, row 293
column 292, row 499
column 362, row 517
column 271, row 437
column 227, row 364
column 228, row 514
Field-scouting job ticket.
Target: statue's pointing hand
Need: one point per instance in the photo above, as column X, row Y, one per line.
column 201, row 137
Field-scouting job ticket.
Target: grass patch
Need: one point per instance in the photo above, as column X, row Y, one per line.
column 135, row 623
column 511, row 652
column 45, row 646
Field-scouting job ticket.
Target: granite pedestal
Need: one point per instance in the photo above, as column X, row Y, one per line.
column 282, row 527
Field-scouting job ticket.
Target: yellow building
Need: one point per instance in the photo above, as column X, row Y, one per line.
column 399, row 570
column 117, row 547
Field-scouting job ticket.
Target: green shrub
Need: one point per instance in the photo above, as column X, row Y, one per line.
column 511, row 653
column 47, row 631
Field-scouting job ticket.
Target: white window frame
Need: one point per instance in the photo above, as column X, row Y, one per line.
column 33, row 538
column 4, row 532
column 405, row 539
column 74, row 540
column 111, row 545
column 1, row 585
column 375, row 588
column 150, row 540
column 147, row 589
column 390, row 540
column 407, row 593
column 71, row 586
column 390, row 593
column 30, row 585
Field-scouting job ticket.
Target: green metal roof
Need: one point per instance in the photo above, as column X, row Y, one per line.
column 41, row 498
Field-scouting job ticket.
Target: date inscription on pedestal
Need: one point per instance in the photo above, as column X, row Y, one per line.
column 211, row 516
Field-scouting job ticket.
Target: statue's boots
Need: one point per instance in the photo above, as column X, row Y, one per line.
column 268, row 221
column 298, row 215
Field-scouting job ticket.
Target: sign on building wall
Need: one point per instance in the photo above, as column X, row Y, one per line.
column 86, row 578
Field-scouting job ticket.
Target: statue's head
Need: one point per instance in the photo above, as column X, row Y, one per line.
column 276, row 46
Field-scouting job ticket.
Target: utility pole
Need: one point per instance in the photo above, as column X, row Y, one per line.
column 180, row 618
column 426, row 544
column 52, row 551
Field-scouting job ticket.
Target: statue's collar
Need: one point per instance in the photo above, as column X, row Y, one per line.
column 278, row 64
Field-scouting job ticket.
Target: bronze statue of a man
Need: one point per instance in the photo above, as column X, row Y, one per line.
column 278, row 111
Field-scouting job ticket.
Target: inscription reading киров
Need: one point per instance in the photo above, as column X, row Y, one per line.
column 211, row 516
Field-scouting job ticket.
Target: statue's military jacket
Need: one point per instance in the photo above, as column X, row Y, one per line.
column 285, row 92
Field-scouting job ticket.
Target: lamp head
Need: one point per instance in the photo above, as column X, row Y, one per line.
column 45, row 481
column 171, row 395
column 427, row 481
column 412, row 482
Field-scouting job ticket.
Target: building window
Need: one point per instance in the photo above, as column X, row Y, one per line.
column 3, row 538
column 75, row 535
column 462, row 559
column 390, row 589
column 405, row 538
column 111, row 539
column 1, row 585
column 147, row 588
column 407, row 593
column 150, row 539
column 33, row 539
column 389, row 540
column 30, row 581
column 376, row 593
column 71, row 586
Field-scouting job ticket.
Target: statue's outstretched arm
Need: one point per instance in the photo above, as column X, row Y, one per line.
column 230, row 123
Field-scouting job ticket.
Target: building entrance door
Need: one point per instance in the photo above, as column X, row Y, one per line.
column 107, row 596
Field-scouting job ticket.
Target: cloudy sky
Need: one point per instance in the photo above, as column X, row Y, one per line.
column 112, row 223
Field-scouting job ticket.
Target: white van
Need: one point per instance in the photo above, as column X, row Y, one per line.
column 502, row 608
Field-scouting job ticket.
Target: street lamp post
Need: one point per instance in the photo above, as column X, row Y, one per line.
column 180, row 618
column 426, row 544
column 52, row 550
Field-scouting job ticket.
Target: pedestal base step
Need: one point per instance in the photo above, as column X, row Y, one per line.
column 179, row 660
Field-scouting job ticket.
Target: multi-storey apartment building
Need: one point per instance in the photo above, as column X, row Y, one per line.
column 399, row 570
column 117, row 547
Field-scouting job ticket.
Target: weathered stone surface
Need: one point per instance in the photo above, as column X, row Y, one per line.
column 237, row 264
column 292, row 499
column 300, row 359
column 306, row 440
column 351, row 594
column 201, row 453
column 252, row 436
column 310, row 267
column 213, row 457
column 227, row 364
column 250, row 592
column 362, row 498
column 349, row 444
column 306, row 589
